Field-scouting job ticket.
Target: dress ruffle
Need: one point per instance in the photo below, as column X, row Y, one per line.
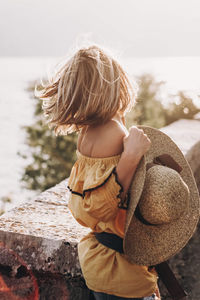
column 95, row 203
column 86, row 179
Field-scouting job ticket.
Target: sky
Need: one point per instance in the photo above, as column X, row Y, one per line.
column 158, row 36
column 136, row 28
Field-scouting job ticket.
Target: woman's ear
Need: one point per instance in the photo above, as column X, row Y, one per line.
column 168, row 161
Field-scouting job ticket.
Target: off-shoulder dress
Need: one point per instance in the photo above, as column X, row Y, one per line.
column 95, row 203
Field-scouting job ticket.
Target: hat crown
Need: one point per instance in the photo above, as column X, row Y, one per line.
column 147, row 244
column 165, row 196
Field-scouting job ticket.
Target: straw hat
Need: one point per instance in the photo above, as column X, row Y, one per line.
column 163, row 208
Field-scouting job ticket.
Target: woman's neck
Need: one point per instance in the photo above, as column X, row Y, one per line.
column 120, row 119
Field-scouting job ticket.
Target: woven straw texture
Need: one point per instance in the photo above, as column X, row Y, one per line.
column 153, row 244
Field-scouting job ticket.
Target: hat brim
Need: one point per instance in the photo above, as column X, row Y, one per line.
column 152, row 244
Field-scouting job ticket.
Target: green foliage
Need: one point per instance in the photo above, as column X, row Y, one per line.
column 52, row 156
column 148, row 109
column 182, row 107
column 3, row 201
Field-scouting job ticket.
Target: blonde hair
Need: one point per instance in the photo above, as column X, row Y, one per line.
column 89, row 89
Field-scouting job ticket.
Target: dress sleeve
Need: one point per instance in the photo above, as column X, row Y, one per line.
column 102, row 201
column 98, row 190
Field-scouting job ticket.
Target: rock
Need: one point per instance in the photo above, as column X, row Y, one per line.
column 185, row 133
column 185, row 264
column 193, row 157
column 38, row 249
column 43, row 237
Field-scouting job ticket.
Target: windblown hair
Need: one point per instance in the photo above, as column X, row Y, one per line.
column 89, row 89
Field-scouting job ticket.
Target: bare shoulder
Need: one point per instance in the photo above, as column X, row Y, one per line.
column 109, row 141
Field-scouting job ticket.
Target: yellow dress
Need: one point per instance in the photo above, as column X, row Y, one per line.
column 94, row 202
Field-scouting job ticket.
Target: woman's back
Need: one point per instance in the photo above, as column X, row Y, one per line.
column 102, row 141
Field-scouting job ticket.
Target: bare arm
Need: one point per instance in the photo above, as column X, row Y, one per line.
column 130, row 144
column 135, row 145
column 125, row 171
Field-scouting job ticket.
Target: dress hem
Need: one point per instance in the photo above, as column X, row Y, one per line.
column 124, row 296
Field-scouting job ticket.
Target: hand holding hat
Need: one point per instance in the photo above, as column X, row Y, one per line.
column 163, row 208
column 141, row 143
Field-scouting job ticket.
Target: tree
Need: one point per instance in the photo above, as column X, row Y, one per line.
column 148, row 109
column 52, row 156
column 181, row 107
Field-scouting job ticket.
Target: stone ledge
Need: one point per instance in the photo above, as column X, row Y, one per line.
column 44, row 234
column 46, row 216
column 185, row 133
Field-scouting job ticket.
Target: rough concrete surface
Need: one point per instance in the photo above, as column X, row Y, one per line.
column 185, row 133
column 43, row 237
column 38, row 240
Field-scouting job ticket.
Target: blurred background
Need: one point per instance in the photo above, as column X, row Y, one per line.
column 156, row 41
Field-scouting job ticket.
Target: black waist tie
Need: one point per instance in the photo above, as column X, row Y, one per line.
column 115, row 242
column 110, row 240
